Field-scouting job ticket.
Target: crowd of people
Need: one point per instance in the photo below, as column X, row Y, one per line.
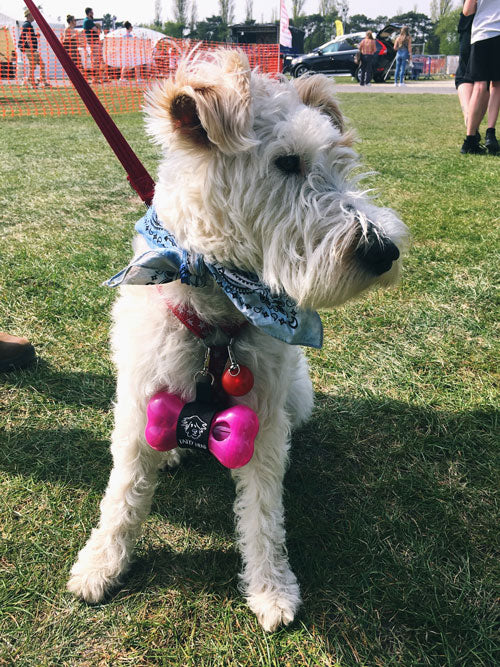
column 368, row 49
column 74, row 41
column 477, row 77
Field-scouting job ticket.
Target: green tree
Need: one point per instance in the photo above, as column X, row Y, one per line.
column 249, row 11
column 297, row 7
column 194, row 18
column 173, row 29
column 446, row 31
column 318, row 29
column 343, row 9
column 157, row 18
column 212, row 29
column 381, row 22
column 181, row 10
column 421, row 28
column 360, row 23
column 440, row 8
column 326, row 7
column 107, row 22
column 226, row 8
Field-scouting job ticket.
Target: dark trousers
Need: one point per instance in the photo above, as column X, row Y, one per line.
column 366, row 69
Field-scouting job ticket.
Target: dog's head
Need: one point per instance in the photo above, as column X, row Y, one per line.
column 258, row 174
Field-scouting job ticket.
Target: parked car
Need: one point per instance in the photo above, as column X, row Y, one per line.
column 335, row 57
column 340, row 55
column 286, row 61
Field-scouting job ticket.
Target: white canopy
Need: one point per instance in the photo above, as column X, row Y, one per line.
column 122, row 49
column 7, row 20
column 140, row 33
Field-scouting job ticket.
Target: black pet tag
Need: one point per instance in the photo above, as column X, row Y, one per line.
column 195, row 419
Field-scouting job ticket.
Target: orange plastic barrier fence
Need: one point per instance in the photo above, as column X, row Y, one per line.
column 119, row 68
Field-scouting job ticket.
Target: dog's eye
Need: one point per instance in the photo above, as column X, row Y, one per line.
column 289, row 164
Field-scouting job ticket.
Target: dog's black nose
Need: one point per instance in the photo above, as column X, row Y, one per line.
column 377, row 253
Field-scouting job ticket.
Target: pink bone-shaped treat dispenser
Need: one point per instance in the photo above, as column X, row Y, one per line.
column 232, row 432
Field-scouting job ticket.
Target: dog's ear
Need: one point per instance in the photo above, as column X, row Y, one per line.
column 207, row 104
column 317, row 91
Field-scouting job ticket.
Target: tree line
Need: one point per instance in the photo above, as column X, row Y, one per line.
column 437, row 32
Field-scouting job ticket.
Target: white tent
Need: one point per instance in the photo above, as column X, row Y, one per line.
column 6, row 20
column 54, row 69
column 121, row 49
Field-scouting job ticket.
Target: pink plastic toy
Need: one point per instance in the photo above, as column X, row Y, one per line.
column 232, row 432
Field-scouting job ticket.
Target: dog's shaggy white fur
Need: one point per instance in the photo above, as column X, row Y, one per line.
column 304, row 227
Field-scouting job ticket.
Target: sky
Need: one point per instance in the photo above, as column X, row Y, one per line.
column 142, row 11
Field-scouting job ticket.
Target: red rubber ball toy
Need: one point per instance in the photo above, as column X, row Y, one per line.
column 237, row 383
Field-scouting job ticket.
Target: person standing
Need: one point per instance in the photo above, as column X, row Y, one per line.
column 28, row 44
column 484, row 66
column 92, row 33
column 128, row 34
column 463, row 82
column 71, row 41
column 402, row 45
column 367, row 48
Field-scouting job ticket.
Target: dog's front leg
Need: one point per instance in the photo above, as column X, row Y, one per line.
column 270, row 586
column 125, row 505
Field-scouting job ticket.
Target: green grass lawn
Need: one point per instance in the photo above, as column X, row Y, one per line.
column 391, row 493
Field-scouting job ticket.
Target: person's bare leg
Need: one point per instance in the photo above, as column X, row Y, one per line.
column 494, row 103
column 43, row 72
column 491, row 142
column 464, row 91
column 476, row 107
column 31, row 69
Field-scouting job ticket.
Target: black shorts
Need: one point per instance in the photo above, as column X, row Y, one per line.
column 462, row 75
column 484, row 63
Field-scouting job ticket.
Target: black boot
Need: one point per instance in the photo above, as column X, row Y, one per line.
column 15, row 352
column 472, row 145
column 491, row 142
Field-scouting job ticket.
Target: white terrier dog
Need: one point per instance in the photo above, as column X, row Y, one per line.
column 257, row 176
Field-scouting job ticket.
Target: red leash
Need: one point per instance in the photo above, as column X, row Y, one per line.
column 137, row 174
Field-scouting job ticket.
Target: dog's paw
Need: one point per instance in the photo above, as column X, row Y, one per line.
column 96, row 571
column 89, row 587
column 89, row 584
column 275, row 608
column 170, row 460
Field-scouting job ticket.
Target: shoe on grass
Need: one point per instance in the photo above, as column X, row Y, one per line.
column 491, row 142
column 15, row 352
column 471, row 145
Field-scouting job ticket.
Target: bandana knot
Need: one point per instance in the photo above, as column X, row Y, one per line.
column 275, row 314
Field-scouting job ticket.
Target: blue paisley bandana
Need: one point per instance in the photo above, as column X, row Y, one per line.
column 275, row 314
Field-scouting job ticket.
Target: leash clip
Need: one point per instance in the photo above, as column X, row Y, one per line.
column 205, row 373
column 234, row 367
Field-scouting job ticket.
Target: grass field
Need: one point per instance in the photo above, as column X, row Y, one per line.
column 391, row 493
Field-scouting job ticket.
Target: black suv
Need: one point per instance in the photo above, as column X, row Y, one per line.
column 339, row 56
column 334, row 57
